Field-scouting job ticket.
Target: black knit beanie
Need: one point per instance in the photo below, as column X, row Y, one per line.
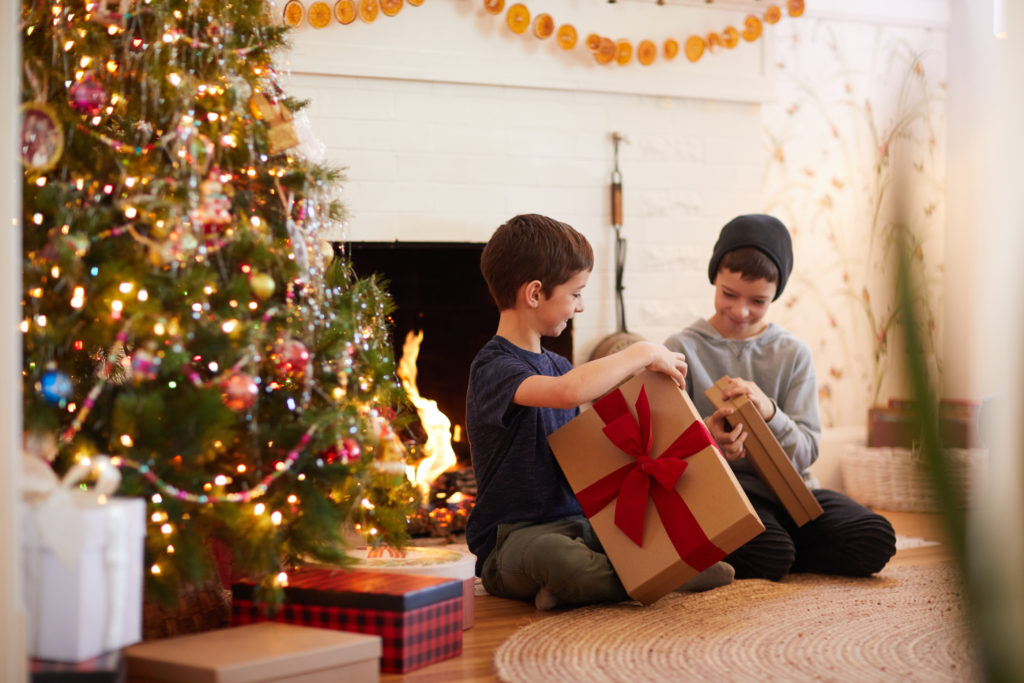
column 762, row 232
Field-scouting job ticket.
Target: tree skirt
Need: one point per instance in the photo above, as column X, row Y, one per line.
column 905, row 624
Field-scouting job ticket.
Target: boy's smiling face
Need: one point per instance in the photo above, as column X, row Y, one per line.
column 566, row 300
column 740, row 305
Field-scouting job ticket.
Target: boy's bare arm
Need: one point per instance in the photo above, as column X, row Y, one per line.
column 591, row 380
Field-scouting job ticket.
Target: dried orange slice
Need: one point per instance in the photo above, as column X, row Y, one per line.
column 390, row 7
column 566, row 36
column 593, row 42
column 605, row 52
column 415, row 3
column 518, row 18
column 294, row 13
column 772, row 14
column 543, row 26
column 646, row 52
column 319, row 14
column 694, row 48
column 345, row 11
column 714, row 42
column 795, row 7
column 368, row 10
column 730, row 37
column 671, row 48
column 494, row 6
column 623, row 52
column 751, row 28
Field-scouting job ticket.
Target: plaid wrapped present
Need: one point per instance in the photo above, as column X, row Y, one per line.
column 419, row 618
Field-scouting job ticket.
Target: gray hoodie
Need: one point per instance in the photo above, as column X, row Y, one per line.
column 777, row 362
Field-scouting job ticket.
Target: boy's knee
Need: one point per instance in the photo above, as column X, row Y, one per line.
column 769, row 555
column 871, row 543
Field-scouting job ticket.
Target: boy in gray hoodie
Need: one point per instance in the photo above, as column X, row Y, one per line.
column 749, row 267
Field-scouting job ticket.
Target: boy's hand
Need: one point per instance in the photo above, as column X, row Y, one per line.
column 731, row 440
column 670, row 363
column 741, row 387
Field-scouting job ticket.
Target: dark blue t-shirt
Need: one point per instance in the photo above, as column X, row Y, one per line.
column 517, row 476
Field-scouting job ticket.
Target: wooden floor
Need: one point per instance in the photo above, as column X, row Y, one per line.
column 498, row 618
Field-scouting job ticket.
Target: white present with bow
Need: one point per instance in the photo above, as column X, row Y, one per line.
column 83, row 562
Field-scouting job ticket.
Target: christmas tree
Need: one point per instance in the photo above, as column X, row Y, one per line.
column 181, row 313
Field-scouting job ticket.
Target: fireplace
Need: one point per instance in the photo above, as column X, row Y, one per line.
column 437, row 289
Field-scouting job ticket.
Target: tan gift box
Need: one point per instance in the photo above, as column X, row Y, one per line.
column 706, row 512
column 767, row 457
column 255, row 653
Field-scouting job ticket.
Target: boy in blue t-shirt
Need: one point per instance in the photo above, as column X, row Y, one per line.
column 749, row 267
column 526, row 529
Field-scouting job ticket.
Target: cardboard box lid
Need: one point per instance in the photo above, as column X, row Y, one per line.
column 362, row 589
column 266, row 651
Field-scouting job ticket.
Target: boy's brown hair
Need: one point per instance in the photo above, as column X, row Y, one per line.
column 751, row 264
column 532, row 247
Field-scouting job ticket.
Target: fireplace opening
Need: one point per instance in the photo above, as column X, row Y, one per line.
column 438, row 290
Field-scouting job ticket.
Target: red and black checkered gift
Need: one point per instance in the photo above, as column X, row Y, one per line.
column 419, row 618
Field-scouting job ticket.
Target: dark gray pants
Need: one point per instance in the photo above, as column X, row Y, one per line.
column 847, row 539
column 563, row 556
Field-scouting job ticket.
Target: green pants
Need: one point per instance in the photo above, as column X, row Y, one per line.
column 563, row 556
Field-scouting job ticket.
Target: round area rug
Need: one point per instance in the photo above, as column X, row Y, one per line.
column 904, row 625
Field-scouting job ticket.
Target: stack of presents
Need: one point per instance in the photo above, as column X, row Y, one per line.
column 659, row 494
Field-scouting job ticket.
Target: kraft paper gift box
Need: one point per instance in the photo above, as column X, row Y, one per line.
column 82, row 563
column 661, row 498
column 419, row 618
column 257, row 653
column 772, row 464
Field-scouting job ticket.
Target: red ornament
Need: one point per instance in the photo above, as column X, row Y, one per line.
column 239, row 391
column 88, row 96
column 342, row 453
column 292, row 357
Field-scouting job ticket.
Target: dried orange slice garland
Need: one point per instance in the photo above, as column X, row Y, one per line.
column 605, row 50
column 319, row 14
column 390, row 7
column 518, row 18
column 294, row 13
column 345, row 11
column 543, row 26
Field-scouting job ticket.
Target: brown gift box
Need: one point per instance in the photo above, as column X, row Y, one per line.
column 257, row 652
column 707, row 487
column 767, row 456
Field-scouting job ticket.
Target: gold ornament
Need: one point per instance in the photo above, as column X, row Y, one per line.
column 282, row 134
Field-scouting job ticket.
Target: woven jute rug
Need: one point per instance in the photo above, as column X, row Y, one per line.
column 906, row 624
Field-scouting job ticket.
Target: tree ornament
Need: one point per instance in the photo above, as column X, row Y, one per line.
column 291, row 357
column 262, row 285
column 239, row 391
column 214, row 210
column 87, row 96
column 55, row 387
column 145, row 363
column 42, row 138
column 342, row 453
column 282, row 134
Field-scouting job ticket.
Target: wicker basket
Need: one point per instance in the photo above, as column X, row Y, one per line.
column 893, row 478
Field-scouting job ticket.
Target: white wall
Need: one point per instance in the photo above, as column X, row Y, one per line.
column 510, row 125
column 449, row 124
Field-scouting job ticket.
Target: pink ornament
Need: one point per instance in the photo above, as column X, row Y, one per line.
column 292, row 357
column 239, row 391
column 88, row 96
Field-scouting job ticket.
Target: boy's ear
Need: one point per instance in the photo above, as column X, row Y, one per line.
column 531, row 293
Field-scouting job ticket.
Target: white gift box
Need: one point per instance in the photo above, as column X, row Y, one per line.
column 83, row 572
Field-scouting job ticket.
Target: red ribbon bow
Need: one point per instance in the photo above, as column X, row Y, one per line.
column 648, row 477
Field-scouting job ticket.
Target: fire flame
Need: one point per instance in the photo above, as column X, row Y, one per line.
column 439, row 453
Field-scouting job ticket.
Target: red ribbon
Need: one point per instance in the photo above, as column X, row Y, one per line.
column 648, row 477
